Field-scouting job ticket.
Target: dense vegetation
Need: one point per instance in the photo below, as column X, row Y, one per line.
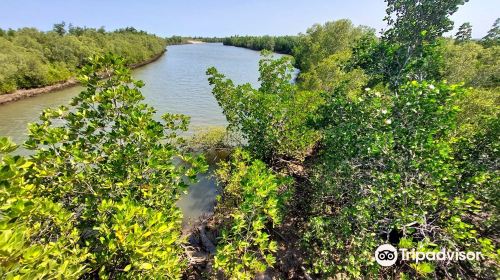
column 282, row 136
column 407, row 148
column 279, row 44
column 97, row 199
column 379, row 140
column 32, row 58
column 253, row 200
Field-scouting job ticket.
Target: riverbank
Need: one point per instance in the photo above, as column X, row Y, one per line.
column 195, row 42
column 25, row 93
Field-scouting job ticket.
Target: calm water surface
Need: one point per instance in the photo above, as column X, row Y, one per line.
column 175, row 83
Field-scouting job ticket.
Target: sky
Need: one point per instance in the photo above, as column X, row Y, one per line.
column 219, row 17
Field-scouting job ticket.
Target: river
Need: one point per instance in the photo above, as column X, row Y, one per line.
column 175, row 83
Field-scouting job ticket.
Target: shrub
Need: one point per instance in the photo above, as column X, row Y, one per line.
column 38, row 239
column 471, row 64
column 272, row 118
column 322, row 41
column 330, row 74
column 389, row 175
column 252, row 199
column 111, row 176
column 212, row 138
column 477, row 149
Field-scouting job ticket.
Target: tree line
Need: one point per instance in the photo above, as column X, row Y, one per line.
column 279, row 44
column 454, row 52
column 31, row 58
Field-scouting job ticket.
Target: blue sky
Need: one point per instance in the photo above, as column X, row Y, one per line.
column 218, row 17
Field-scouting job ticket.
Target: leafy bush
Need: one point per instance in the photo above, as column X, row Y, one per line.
column 389, row 175
column 411, row 46
column 332, row 73
column 416, row 167
column 37, row 236
column 107, row 176
column 322, row 41
column 472, row 64
column 252, row 199
column 212, row 138
column 478, row 149
column 264, row 116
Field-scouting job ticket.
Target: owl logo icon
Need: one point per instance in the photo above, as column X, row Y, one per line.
column 386, row 255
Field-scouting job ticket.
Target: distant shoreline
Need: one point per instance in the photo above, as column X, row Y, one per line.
column 195, row 42
column 25, row 93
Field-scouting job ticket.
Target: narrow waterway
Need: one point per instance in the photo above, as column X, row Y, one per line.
column 175, row 83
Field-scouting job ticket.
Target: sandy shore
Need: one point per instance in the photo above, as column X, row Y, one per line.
column 25, row 93
column 195, row 42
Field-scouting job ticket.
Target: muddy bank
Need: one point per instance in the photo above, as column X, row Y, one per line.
column 25, row 93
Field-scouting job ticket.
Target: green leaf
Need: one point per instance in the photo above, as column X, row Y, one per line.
column 146, row 266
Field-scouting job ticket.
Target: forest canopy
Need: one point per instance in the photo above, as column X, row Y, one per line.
column 31, row 58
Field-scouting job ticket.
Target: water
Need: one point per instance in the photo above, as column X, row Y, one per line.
column 175, row 83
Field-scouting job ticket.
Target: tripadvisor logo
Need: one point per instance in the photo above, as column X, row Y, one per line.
column 387, row 255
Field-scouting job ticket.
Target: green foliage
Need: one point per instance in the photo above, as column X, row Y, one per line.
column 472, row 64
column 31, row 58
column 392, row 162
column 107, row 176
column 37, row 236
column 175, row 40
column 332, row 73
column 263, row 116
column 394, row 64
column 252, row 193
column 410, row 48
column 478, row 147
column 493, row 36
column 324, row 56
column 210, row 39
column 322, row 41
column 59, row 28
column 464, row 33
column 415, row 166
column 139, row 241
column 413, row 22
column 212, row 138
column 279, row 44
column 388, row 172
